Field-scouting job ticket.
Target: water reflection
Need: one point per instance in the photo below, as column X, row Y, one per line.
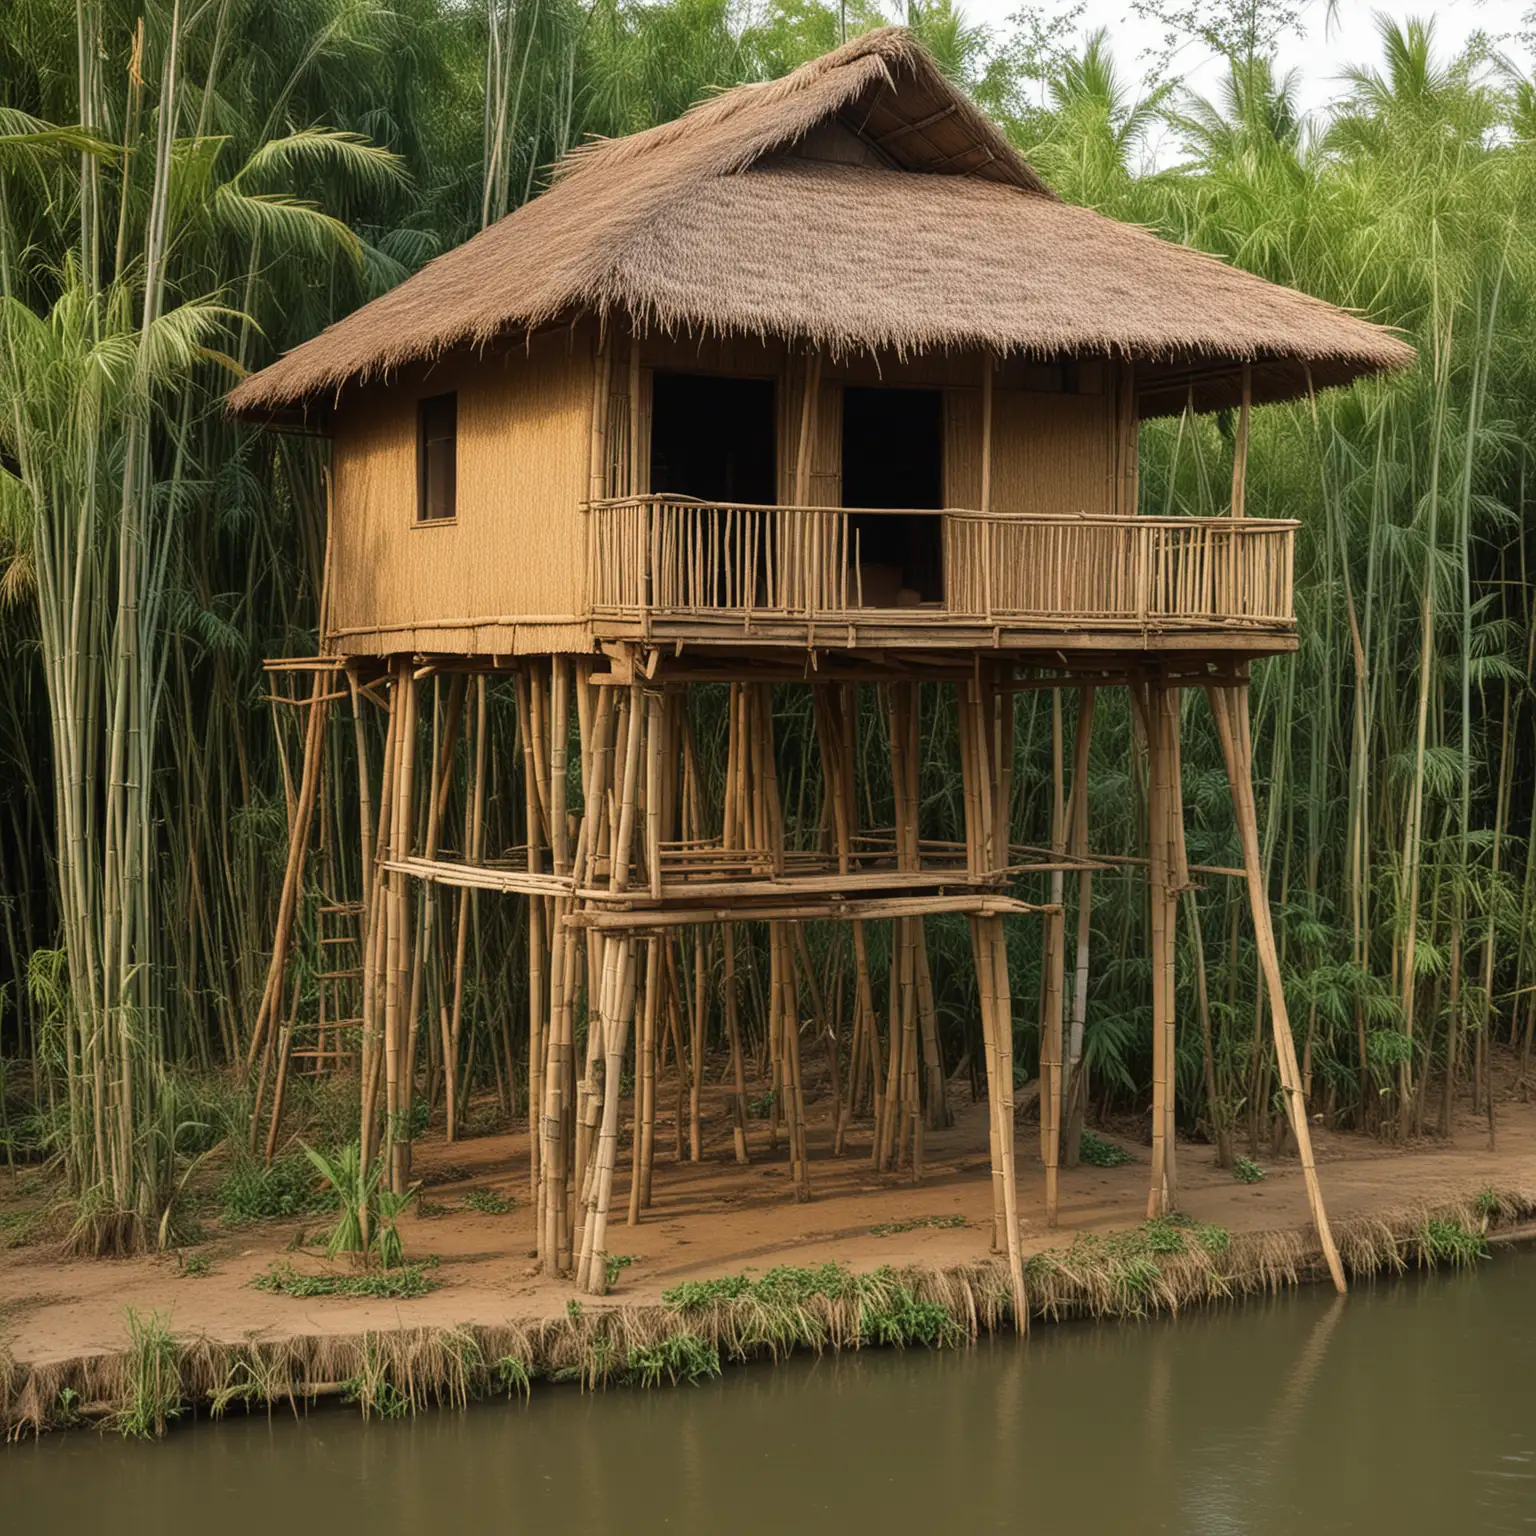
column 1406, row 1408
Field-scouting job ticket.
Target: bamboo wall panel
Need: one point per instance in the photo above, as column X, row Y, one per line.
column 1051, row 454
column 962, row 447
column 513, row 550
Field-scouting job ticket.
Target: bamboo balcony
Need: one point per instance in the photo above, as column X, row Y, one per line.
column 665, row 567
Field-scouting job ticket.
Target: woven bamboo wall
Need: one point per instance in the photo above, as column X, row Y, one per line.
column 515, row 550
column 1051, row 453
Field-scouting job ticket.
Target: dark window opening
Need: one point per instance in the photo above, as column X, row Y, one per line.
column 893, row 456
column 714, row 439
column 437, row 427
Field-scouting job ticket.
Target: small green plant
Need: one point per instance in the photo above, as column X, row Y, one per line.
column 399, row 1284
column 488, row 1202
column 193, row 1264
column 573, row 1310
column 892, row 1228
column 388, row 1208
column 1098, row 1152
column 1246, row 1171
column 514, row 1377
column 152, row 1394
column 1488, row 1204
column 616, row 1264
column 369, row 1214
column 761, row 1107
column 66, row 1408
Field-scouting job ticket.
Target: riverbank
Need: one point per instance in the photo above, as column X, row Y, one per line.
column 725, row 1267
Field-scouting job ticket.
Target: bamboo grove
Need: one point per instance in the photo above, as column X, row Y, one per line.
column 187, row 188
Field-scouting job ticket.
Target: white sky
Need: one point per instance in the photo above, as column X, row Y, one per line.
column 1321, row 54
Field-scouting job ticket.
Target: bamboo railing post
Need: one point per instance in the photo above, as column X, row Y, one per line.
column 1229, row 705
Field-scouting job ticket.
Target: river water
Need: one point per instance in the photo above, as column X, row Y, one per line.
column 1409, row 1407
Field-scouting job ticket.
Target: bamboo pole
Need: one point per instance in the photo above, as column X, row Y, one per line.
column 1153, row 719
column 397, row 1068
column 1240, row 447
column 536, row 946
column 645, row 1096
column 1075, row 1091
column 1002, row 1086
column 1229, row 705
column 474, row 849
column 1054, row 941
column 298, row 848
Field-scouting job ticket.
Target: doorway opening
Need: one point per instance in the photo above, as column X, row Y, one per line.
column 893, row 458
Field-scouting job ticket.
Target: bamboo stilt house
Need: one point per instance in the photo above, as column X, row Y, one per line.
column 818, row 386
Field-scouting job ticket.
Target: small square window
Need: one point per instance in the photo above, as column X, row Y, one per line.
column 437, row 422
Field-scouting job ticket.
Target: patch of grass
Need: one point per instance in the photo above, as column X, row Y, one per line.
column 20, row 1228
column 792, row 1305
column 1125, row 1269
column 485, row 1120
column 688, row 1295
column 152, row 1394
column 616, row 1264
column 904, row 1319
column 892, row 1228
column 761, row 1107
column 1098, row 1152
column 488, row 1202
column 254, row 1191
column 193, row 1264
column 1443, row 1241
column 680, row 1357
column 1246, row 1171
column 402, row 1284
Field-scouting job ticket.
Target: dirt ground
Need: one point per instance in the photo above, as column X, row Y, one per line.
column 714, row 1218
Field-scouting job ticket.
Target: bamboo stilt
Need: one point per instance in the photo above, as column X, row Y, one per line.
column 1075, row 1091
column 1153, row 717
column 1054, row 940
column 397, row 1068
column 645, row 1094
column 1229, row 705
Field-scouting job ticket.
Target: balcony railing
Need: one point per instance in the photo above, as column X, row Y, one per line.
column 668, row 558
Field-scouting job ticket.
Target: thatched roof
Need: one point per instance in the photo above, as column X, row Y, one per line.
column 791, row 209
